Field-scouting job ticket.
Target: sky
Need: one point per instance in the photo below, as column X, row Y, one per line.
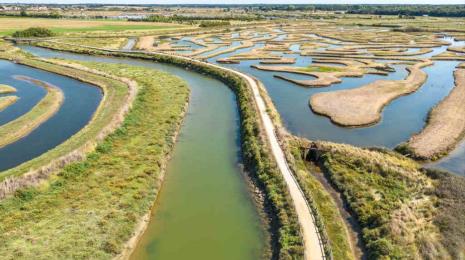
column 241, row 1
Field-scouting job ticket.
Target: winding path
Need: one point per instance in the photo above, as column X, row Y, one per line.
column 312, row 241
column 313, row 246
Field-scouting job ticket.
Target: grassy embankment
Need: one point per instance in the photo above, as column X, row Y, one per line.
column 101, row 199
column 7, row 101
column 256, row 154
column 116, row 100
column 5, row 89
column 106, row 43
column 336, row 243
column 405, row 212
column 445, row 126
column 329, row 218
column 41, row 112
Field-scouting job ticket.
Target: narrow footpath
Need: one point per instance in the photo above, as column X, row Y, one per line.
column 313, row 246
column 312, row 241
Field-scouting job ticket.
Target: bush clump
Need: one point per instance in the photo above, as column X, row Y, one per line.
column 214, row 23
column 34, row 32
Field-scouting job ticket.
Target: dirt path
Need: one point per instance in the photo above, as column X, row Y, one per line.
column 313, row 247
column 312, row 244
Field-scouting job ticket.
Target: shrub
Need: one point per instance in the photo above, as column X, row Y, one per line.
column 34, row 32
column 214, row 23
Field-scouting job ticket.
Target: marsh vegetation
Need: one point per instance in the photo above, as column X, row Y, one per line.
column 385, row 75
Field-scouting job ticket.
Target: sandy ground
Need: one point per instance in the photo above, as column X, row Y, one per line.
column 446, row 124
column 362, row 106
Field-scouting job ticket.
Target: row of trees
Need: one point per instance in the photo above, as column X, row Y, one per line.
column 194, row 19
column 409, row 10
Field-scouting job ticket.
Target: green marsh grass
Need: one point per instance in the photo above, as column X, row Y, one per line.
column 89, row 209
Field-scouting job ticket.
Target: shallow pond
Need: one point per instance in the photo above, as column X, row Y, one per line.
column 204, row 210
column 401, row 118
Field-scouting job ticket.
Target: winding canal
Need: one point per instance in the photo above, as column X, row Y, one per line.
column 204, row 210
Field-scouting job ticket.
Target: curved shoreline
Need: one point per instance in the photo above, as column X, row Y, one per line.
column 144, row 221
column 445, row 126
column 255, row 145
column 363, row 106
column 327, row 78
column 101, row 178
column 7, row 101
column 103, row 122
column 40, row 113
column 5, row 89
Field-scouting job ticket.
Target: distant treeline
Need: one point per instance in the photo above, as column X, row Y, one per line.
column 214, row 23
column 194, row 19
column 375, row 9
column 23, row 13
column 406, row 10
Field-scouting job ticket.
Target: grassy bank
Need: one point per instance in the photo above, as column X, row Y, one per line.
column 116, row 100
column 100, row 199
column 400, row 208
column 255, row 151
column 329, row 219
column 7, row 101
column 41, row 112
column 445, row 126
column 5, row 89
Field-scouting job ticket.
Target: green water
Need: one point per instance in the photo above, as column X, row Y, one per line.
column 203, row 210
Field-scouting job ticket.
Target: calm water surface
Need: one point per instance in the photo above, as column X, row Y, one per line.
column 203, row 210
column 400, row 119
column 81, row 101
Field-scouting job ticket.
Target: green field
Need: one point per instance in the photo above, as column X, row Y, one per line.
column 9, row 25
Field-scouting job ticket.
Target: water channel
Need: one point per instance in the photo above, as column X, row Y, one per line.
column 81, row 101
column 204, row 210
